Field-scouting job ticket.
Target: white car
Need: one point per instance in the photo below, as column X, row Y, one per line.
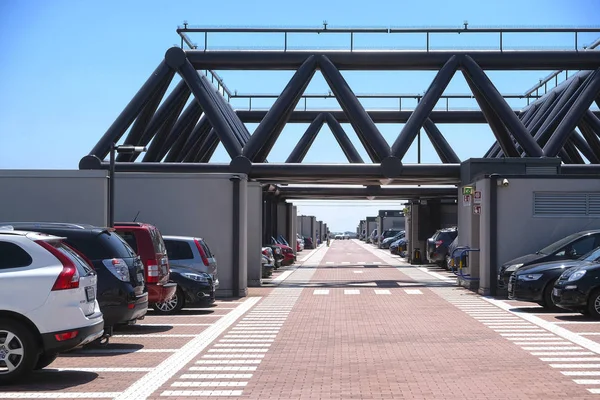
column 47, row 302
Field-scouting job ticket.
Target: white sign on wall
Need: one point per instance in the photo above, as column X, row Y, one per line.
column 477, row 197
column 467, row 200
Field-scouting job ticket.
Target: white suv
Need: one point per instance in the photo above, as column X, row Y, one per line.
column 47, row 302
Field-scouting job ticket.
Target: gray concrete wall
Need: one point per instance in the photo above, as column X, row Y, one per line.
column 370, row 225
column 255, row 211
column 54, row 196
column 291, row 225
column 190, row 205
column 392, row 223
column 282, row 220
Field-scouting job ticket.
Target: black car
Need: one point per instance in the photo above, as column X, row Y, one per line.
column 389, row 237
column 121, row 293
column 535, row 282
column 437, row 246
column 399, row 246
column 569, row 248
column 578, row 289
column 193, row 287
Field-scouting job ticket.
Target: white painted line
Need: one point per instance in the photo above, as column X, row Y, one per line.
column 570, row 359
column 124, row 351
column 245, row 350
column 102, row 369
column 215, row 376
column 504, row 325
column 382, row 291
column 229, row 368
column 228, row 356
column 580, row 373
column 201, row 393
column 358, row 272
column 321, row 291
column 150, row 382
column 517, row 330
column 283, row 276
column 209, row 384
column 64, row 395
column 228, row 361
column 563, row 353
column 435, row 274
column 518, row 333
column 576, row 322
column 537, row 339
column 562, row 342
column 589, row 333
column 329, row 262
column 345, row 262
column 587, row 381
column 208, row 308
column 213, row 368
column 351, row 291
column 413, row 291
column 361, row 262
column 534, row 348
column 594, row 391
column 167, row 324
column 167, row 335
column 188, row 316
column 250, row 336
column 243, row 345
column 245, row 340
column 377, row 262
column 575, row 366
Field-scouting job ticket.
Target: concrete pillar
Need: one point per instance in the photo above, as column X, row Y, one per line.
column 255, row 237
column 290, row 228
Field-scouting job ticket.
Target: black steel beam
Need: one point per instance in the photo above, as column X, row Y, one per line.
column 301, row 148
column 358, row 193
column 163, row 73
column 503, row 137
column 179, row 136
column 499, row 105
column 340, row 136
column 571, row 150
column 593, row 170
column 565, row 156
column 441, row 146
column 197, row 137
column 576, row 113
column 208, row 147
column 430, row 98
column 394, row 60
column 201, row 88
column 269, row 129
column 365, row 128
column 386, row 116
column 584, row 147
column 590, row 136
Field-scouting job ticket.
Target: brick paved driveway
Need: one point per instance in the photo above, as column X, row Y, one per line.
column 352, row 322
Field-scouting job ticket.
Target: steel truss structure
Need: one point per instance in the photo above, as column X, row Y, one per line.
column 183, row 138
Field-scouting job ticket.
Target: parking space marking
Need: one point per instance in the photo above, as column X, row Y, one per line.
column 351, row 291
column 228, row 356
column 563, row 353
column 575, row 366
column 64, row 395
column 201, row 393
column 321, row 291
column 150, row 382
column 594, row 391
column 250, row 336
column 435, row 274
column 242, row 350
column 329, row 262
column 157, row 335
column 575, row 322
column 209, row 384
column 80, row 369
column 345, row 262
column 175, row 324
column 242, row 345
column 253, row 361
column 123, row 351
column 245, row 340
column 221, row 368
column 587, row 381
column 573, row 359
column 589, row 333
column 382, row 291
column 413, row 291
column 580, row 373
column 215, row 376
column 358, row 272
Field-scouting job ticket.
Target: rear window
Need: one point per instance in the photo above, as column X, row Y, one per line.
column 157, row 241
column 129, row 237
column 178, row 250
column 102, row 246
column 13, row 256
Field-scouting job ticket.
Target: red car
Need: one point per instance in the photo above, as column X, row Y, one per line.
column 147, row 242
column 288, row 254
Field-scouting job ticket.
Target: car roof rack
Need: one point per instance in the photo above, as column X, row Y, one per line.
column 129, row 223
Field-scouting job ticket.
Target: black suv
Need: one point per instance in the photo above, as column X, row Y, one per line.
column 437, row 246
column 121, row 294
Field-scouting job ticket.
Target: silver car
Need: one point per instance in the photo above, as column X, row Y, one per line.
column 192, row 252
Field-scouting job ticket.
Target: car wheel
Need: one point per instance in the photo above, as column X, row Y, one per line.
column 594, row 304
column 44, row 360
column 18, row 351
column 548, row 302
column 172, row 306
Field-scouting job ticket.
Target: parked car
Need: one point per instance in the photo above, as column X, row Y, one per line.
column 286, row 251
column 399, row 247
column 578, row 289
column 194, row 287
column 147, row 242
column 267, row 262
column 387, row 241
column 308, row 243
column 535, row 282
column 568, row 248
column 438, row 244
column 192, row 252
column 299, row 243
column 373, row 237
column 47, row 302
column 121, row 294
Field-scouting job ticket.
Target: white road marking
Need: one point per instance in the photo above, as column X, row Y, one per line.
column 537, row 339
column 209, row 384
column 534, row 348
column 150, row 382
column 382, row 291
column 215, row 376
column 245, row 340
column 563, row 353
column 575, row 322
column 228, row 356
column 435, row 274
column 562, row 342
column 201, row 393
column 102, row 369
column 358, row 272
column 208, row 308
column 587, row 381
column 166, row 324
column 124, row 351
column 247, row 350
column 257, row 361
column 283, row 276
column 321, row 291
column 413, row 291
column 345, row 262
column 64, row 395
column 351, row 291
column 575, row 365
column 580, row 373
column 214, row 368
column 517, row 330
column 589, row 333
column 250, row 336
column 166, row 335
column 329, row 262
column 547, row 334
column 571, row 359
column 243, row 345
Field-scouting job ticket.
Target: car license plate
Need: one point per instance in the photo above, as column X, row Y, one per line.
column 140, row 277
column 90, row 294
column 556, row 292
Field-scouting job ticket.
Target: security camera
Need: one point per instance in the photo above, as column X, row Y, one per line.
column 505, row 182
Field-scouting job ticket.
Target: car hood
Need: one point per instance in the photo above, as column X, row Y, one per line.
column 549, row 266
column 588, row 265
column 526, row 259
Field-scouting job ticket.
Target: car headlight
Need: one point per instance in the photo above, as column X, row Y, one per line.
column 530, row 277
column 513, row 267
column 195, row 277
column 576, row 275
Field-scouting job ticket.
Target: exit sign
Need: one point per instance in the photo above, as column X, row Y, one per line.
column 467, row 190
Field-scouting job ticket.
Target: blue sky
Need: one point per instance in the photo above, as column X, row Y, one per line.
column 69, row 67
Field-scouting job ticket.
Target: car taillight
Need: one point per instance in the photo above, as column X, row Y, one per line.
column 66, row 336
column 69, row 276
column 118, row 268
column 438, row 243
column 152, row 271
column 202, row 252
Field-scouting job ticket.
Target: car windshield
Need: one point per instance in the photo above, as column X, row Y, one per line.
column 388, row 234
column 593, row 255
column 556, row 246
